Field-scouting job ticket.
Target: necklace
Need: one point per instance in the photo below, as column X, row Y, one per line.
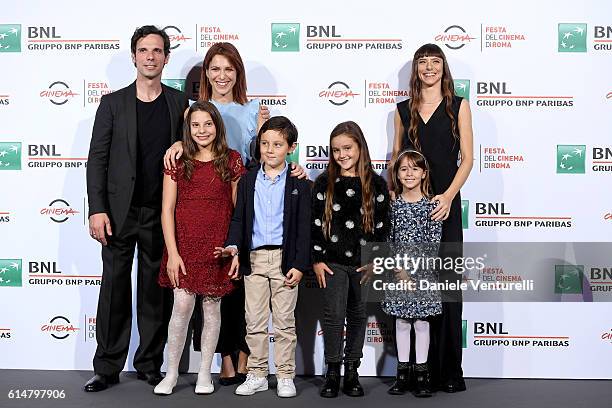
column 432, row 103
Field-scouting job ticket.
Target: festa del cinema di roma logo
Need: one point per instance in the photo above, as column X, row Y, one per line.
column 338, row 93
column 59, row 327
column 58, row 93
column 176, row 36
column 58, row 210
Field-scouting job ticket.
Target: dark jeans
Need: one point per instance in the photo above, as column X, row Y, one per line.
column 142, row 228
column 342, row 298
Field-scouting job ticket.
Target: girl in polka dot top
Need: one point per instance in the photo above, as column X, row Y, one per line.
column 350, row 207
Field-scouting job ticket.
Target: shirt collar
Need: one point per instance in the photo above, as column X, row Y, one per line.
column 261, row 174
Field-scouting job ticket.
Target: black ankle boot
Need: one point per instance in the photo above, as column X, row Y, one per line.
column 351, row 386
column 403, row 379
column 422, row 381
column 332, row 381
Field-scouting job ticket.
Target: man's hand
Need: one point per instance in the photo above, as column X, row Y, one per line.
column 99, row 227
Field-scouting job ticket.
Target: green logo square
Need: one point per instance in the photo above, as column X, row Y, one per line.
column 572, row 37
column 178, row 84
column 10, row 155
column 285, row 37
column 10, row 37
column 465, row 212
column 462, row 88
column 10, row 272
column 568, row 278
column 464, row 333
column 571, row 159
column 294, row 157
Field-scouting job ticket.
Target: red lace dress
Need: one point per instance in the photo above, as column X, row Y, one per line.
column 203, row 213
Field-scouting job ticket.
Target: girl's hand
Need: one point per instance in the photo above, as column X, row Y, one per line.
column 367, row 271
column 293, row 277
column 172, row 155
column 225, row 252
column 174, row 266
column 401, row 275
column 233, row 271
column 440, row 213
column 298, row 171
column 320, row 268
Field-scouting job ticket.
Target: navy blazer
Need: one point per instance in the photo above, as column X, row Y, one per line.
column 296, row 223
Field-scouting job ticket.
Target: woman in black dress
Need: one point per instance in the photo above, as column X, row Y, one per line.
column 439, row 124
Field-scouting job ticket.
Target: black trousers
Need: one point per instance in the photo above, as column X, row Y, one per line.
column 232, row 335
column 446, row 349
column 142, row 229
column 342, row 299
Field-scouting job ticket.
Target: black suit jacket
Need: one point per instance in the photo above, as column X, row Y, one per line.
column 296, row 223
column 111, row 164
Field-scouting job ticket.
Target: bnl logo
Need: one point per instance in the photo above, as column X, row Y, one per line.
column 572, row 37
column 568, row 279
column 10, row 37
column 462, row 88
column 10, row 272
column 465, row 211
column 294, row 157
column 285, row 37
column 571, row 159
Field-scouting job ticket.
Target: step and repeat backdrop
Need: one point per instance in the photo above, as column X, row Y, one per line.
column 537, row 77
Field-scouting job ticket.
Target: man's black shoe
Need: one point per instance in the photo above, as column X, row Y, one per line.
column 152, row 377
column 100, row 382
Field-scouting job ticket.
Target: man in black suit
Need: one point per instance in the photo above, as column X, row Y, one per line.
column 133, row 128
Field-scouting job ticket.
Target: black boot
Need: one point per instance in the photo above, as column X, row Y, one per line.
column 403, row 380
column 351, row 386
column 332, row 381
column 422, row 381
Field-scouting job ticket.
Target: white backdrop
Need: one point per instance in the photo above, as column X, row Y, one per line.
column 537, row 75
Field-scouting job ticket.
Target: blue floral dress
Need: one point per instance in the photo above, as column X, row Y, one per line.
column 415, row 234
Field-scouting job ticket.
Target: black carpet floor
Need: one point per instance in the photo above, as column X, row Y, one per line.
column 486, row 393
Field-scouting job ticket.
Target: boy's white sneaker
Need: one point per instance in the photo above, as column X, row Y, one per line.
column 285, row 388
column 252, row 385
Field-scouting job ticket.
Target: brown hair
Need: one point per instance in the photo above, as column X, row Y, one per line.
column 231, row 53
column 219, row 148
column 414, row 158
column 364, row 171
column 448, row 91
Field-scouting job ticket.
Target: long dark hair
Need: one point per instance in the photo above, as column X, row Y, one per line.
column 364, row 171
column 239, row 91
column 219, row 148
column 448, row 91
column 414, row 158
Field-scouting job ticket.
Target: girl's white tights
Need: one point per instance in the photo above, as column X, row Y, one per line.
column 402, row 336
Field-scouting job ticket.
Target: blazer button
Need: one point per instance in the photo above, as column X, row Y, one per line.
column 133, row 178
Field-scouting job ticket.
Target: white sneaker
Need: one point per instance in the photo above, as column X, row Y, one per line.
column 252, row 385
column 285, row 388
column 204, row 385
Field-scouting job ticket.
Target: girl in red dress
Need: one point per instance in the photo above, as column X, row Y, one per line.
column 198, row 200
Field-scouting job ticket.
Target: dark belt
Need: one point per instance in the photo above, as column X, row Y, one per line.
column 268, row 247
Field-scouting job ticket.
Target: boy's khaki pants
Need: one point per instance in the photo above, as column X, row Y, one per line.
column 265, row 287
